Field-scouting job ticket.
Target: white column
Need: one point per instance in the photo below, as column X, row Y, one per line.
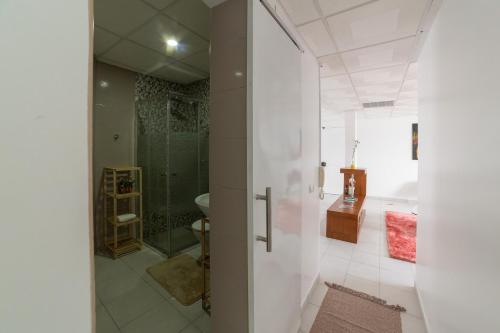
column 350, row 135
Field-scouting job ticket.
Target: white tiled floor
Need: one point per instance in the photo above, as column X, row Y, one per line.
column 129, row 300
column 366, row 266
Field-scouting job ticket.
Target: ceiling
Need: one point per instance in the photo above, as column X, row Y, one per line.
column 132, row 34
column 367, row 50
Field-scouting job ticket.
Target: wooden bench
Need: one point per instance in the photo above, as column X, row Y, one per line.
column 343, row 222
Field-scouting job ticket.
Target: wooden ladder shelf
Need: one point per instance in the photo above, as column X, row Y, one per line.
column 122, row 188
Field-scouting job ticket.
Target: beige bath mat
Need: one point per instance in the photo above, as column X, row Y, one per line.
column 348, row 311
column 181, row 276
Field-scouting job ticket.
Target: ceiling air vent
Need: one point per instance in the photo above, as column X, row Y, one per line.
column 382, row 104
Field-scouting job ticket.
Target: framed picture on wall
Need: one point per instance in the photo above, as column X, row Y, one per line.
column 414, row 141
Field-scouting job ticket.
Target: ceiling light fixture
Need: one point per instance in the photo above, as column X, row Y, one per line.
column 172, row 42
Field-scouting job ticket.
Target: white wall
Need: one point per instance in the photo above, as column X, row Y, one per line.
column 333, row 147
column 228, row 168
column 44, row 244
column 386, row 152
column 458, row 243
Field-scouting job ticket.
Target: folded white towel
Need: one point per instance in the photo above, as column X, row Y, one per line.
column 126, row 217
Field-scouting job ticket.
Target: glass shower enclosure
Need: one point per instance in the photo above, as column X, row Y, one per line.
column 172, row 149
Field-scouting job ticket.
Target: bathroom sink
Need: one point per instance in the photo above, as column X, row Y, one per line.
column 202, row 201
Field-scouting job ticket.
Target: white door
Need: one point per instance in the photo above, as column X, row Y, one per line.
column 276, row 157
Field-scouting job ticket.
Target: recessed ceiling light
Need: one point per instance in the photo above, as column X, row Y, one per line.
column 172, row 42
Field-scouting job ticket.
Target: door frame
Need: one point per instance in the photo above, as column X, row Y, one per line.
column 90, row 149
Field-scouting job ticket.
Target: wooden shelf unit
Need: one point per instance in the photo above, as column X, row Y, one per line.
column 114, row 205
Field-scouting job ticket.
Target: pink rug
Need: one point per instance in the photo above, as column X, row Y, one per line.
column 401, row 235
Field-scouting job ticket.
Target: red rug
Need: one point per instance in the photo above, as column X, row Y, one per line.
column 401, row 235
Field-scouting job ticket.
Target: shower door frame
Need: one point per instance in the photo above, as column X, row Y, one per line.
column 170, row 251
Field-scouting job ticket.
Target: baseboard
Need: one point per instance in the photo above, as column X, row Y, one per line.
column 422, row 308
column 306, row 301
column 405, row 200
column 309, row 293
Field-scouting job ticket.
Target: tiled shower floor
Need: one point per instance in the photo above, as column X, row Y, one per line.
column 129, row 300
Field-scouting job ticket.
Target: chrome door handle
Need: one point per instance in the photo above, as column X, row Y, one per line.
column 269, row 226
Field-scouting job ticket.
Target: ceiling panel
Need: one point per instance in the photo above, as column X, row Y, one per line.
column 335, row 82
column 389, row 88
column 121, row 17
column 386, row 92
column 339, row 93
column 412, row 71
column 199, row 60
column 331, row 65
column 159, row 4
column 135, row 56
column 408, row 95
column 300, row 11
column 177, row 72
column 376, row 22
column 409, row 85
column 334, row 6
column 158, row 30
column 194, row 14
column 379, row 76
column 377, row 97
column 383, row 55
column 377, row 113
column 103, row 40
column 317, row 38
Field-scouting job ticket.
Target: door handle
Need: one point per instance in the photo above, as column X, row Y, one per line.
column 269, row 226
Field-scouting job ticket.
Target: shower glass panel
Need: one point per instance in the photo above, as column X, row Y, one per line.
column 172, row 148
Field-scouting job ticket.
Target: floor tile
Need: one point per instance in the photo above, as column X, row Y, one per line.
column 104, row 322
column 191, row 312
column 330, row 272
column 134, row 303
column 108, row 290
column 100, row 261
column 191, row 329
column 364, row 271
column 369, row 236
column 368, row 247
column 340, row 249
column 395, row 279
column 109, row 269
column 364, row 285
column 396, row 265
column 160, row 319
column 331, row 260
column 141, row 260
column 366, row 258
column 406, row 298
column 203, row 323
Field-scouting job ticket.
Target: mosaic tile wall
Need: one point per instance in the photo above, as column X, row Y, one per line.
column 172, row 148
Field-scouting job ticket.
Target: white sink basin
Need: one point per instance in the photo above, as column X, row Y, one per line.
column 203, row 202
